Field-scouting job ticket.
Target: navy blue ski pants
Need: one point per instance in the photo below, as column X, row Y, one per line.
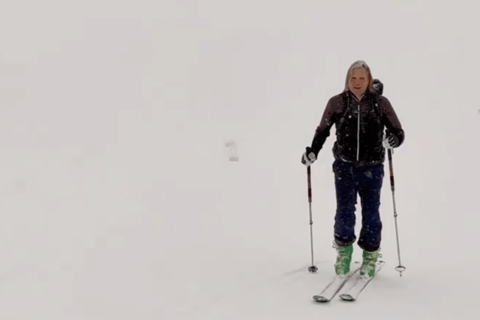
column 366, row 181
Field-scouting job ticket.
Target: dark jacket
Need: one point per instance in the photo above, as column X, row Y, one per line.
column 360, row 127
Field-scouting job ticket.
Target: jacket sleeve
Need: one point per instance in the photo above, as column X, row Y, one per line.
column 391, row 120
column 323, row 130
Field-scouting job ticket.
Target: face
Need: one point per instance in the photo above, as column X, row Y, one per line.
column 358, row 81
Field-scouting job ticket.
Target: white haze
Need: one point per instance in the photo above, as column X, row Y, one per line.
column 117, row 197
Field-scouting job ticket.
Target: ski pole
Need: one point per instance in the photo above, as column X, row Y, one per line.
column 399, row 268
column 312, row 268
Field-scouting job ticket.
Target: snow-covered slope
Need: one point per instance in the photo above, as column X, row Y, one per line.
column 117, row 199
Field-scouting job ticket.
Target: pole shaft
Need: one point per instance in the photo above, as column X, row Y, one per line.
column 392, row 183
column 310, row 209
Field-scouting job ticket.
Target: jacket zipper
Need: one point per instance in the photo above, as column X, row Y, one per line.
column 358, row 134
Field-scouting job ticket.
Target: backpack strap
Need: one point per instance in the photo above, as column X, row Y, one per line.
column 346, row 102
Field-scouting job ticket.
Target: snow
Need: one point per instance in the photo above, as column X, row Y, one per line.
column 118, row 197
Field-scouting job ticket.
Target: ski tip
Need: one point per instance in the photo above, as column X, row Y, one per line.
column 347, row 297
column 320, row 299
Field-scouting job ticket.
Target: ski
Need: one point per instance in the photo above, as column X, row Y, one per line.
column 336, row 285
column 360, row 284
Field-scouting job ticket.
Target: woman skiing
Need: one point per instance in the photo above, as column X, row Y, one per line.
column 360, row 114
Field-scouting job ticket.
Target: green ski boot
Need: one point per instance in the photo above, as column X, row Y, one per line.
column 344, row 258
column 369, row 263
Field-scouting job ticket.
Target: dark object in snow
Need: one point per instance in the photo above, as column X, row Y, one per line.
column 232, row 150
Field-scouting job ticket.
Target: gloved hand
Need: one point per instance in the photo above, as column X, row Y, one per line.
column 308, row 157
column 390, row 141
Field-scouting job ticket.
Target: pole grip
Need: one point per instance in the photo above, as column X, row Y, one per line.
column 392, row 181
column 309, row 184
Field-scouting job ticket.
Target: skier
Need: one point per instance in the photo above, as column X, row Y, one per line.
column 360, row 114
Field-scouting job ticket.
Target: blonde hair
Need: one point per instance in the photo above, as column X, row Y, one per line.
column 360, row 64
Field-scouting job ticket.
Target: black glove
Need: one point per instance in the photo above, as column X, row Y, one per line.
column 391, row 141
column 308, row 157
